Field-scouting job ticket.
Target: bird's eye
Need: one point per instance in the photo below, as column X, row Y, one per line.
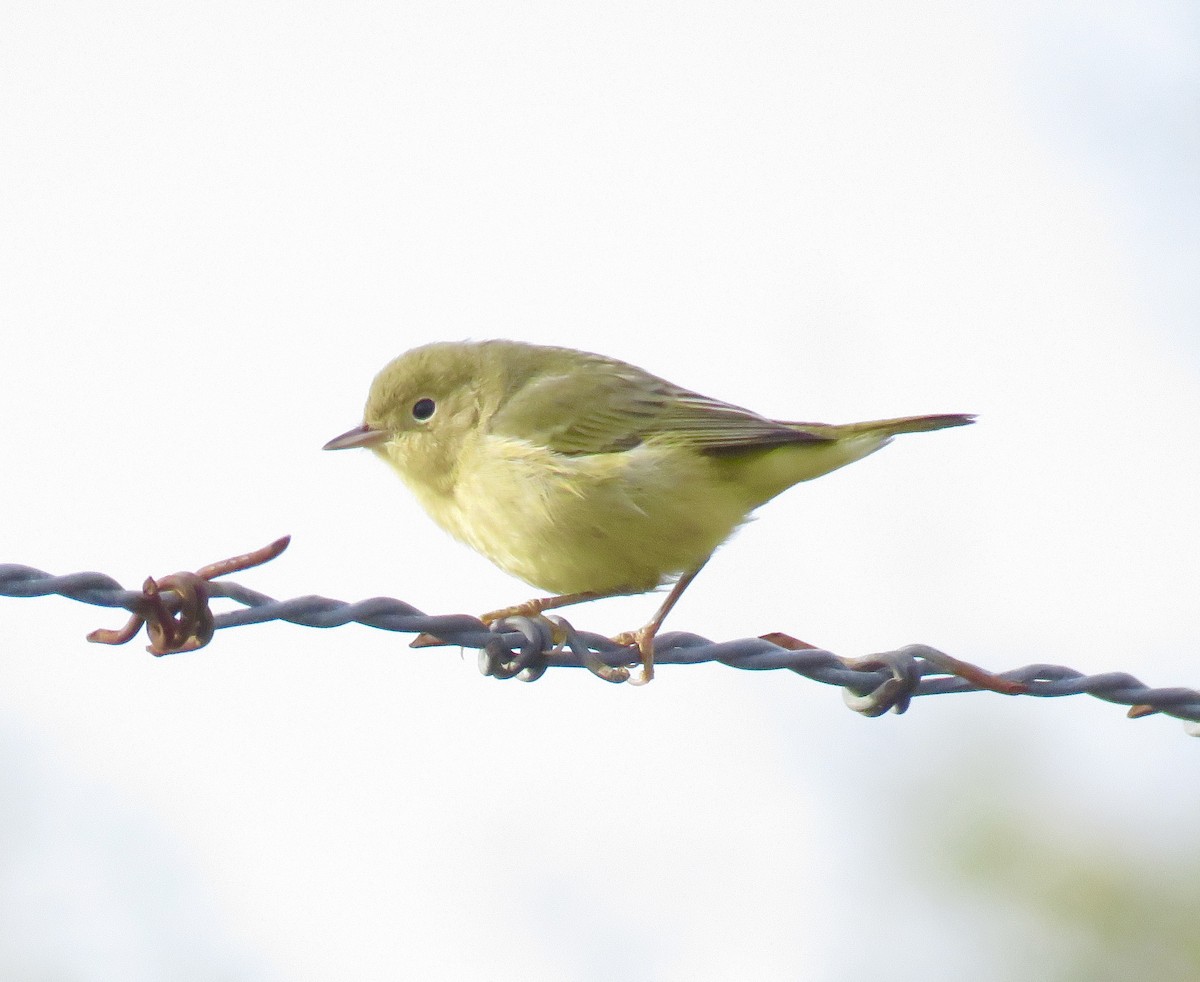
column 422, row 409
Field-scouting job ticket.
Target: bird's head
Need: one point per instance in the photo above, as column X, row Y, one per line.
column 422, row 409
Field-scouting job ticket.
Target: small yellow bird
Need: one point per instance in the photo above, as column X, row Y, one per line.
column 587, row 476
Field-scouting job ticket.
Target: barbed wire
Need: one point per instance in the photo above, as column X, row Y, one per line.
column 176, row 613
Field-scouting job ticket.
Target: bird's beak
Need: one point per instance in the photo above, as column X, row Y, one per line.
column 360, row 436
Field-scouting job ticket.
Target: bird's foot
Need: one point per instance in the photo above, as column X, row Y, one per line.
column 643, row 640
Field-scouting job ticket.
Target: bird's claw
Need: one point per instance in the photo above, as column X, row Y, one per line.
column 644, row 644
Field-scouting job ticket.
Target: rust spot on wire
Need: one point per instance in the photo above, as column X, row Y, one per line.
column 184, row 623
column 981, row 678
column 787, row 642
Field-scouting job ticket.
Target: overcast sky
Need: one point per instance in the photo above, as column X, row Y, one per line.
column 219, row 220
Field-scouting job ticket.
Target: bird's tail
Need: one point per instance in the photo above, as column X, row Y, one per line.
column 827, row 447
column 882, row 430
column 907, row 424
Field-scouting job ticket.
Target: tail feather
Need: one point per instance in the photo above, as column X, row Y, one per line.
column 884, row 428
column 913, row 424
column 766, row 474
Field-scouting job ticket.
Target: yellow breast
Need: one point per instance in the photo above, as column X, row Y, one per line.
column 603, row 522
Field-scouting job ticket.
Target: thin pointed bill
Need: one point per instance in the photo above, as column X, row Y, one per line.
column 360, row 436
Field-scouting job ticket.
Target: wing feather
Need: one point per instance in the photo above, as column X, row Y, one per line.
column 603, row 406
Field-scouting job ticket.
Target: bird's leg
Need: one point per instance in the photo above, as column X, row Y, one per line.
column 643, row 637
column 531, row 608
column 535, row 607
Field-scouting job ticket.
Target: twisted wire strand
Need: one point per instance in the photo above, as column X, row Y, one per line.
column 525, row 647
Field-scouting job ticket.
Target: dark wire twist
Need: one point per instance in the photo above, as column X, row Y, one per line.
column 175, row 610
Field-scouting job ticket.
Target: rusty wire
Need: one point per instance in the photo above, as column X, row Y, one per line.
column 175, row 610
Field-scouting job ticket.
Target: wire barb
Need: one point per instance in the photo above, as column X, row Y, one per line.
column 188, row 623
column 176, row 612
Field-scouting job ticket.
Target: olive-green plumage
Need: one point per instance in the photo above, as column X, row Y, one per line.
column 582, row 474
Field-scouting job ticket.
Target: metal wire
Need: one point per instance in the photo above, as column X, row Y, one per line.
column 175, row 610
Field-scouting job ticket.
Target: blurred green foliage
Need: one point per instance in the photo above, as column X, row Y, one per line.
column 1057, row 887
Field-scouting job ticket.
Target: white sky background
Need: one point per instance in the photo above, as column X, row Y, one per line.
column 218, row 221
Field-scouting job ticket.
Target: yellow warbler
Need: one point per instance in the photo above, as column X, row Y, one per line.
column 587, row 476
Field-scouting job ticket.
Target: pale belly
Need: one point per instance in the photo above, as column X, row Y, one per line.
column 603, row 523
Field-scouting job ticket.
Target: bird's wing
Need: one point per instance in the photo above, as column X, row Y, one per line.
column 605, row 406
